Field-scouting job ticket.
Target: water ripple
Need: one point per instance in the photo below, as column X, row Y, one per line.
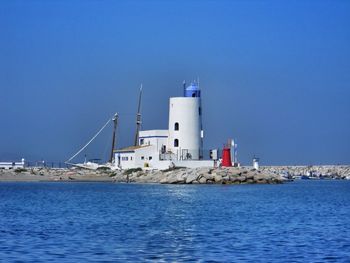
column 74, row 222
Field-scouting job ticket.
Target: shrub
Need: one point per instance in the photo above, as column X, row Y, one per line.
column 130, row 171
column 112, row 174
column 103, row 168
column 20, row 170
column 173, row 169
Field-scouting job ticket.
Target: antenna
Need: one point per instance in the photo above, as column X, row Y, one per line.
column 138, row 119
column 115, row 121
column 184, row 85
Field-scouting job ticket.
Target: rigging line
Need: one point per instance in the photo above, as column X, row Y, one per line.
column 108, row 143
column 86, row 145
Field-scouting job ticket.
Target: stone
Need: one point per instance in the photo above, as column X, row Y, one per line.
column 250, row 175
column 217, row 178
column 263, row 181
column 202, row 180
column 259, row 177
column 181, row 178
column 190, row 178
column 208, row 176
column 241, row 178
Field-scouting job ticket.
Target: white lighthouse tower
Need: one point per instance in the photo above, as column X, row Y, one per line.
column 185, row 124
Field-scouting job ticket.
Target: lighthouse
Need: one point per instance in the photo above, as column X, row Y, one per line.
column 185, row 124
column 181, row 145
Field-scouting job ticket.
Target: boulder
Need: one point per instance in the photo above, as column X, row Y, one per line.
column 171, row 179
column 217, row 178
column 259, row 177
column 226, row 179
column 241, row 178
column 250, row 175
column 202, row 180
column 208, row 176
column 181, row 178
column 263, row 181
column 250, row 181
column 191, row 177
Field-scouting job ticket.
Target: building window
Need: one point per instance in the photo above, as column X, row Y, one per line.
column 176, row 143
column 176, row 128
column 142, row 141
column 163, row 149
column 142, row 157
column 150, row 158
column 131, row 158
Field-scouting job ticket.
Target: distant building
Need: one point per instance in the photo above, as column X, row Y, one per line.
column 12, row 165
column 256, row 163
column 180, row 145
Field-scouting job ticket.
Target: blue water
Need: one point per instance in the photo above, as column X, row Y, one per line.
column 306, row 221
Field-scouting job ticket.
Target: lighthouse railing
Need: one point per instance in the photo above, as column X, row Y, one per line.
column 185, row 155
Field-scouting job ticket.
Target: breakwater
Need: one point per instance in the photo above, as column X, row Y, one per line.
column 312, row 171
column 230, row 175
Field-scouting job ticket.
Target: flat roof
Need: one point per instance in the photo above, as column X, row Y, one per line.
column 130, row 148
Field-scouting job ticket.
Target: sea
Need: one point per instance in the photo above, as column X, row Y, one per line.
column 301, row 221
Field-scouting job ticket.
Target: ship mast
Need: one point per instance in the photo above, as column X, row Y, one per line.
column 138, row 119
column 115, row 121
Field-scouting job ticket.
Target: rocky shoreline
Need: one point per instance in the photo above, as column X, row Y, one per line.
column 201, row 176
column 178, row 175
column 230, row 175
column 311, row 171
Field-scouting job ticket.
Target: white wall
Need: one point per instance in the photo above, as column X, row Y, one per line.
column 194, row 164
column 125, row 164
column 12, row 165
column 154, row 137
column 185, row 111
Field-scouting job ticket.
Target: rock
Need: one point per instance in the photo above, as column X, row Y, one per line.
column 164, row 181
column 202, row 180
column 250, row 175
column 250, row 181
column 241, row 178
column 181, row 178
column 263, row 181
column 260, row 177
column 190, row 178
column 208, row 176
column 226, row 179
column 217, row 178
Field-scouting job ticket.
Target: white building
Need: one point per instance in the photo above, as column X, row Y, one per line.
column 180, row 145
column 256, row 163
column 12, row 165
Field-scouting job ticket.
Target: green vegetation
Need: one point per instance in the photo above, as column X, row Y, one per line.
column 103, row 169
column 112, row 174
column 173, row 169
column 130, row 171
column 20, row 170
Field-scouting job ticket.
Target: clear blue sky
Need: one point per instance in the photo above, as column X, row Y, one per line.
column 275, row 75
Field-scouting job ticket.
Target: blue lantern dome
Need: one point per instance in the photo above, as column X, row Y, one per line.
column 193, row 91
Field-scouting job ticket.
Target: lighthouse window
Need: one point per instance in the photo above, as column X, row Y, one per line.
column 176, row 143
column 176, row 128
